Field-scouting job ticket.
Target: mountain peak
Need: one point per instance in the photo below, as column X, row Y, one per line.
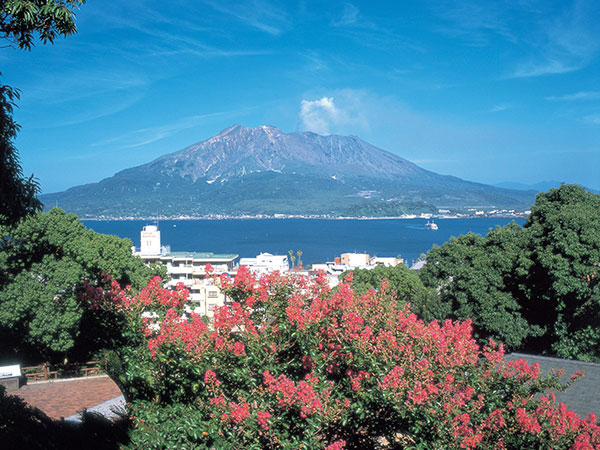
column 269, row 128
column 265, row 170
column 239, row 151
column 245, row 132
column 229, row 130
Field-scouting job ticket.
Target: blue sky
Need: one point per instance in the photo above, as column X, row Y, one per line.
column 487, row 91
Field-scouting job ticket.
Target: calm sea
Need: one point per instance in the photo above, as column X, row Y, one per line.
column 319, row 240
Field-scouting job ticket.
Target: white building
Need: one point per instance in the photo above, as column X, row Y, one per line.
column 385, row 261
column 188, row 268
column 355, row 260
column 266, row 263
column 150, row 241
column 352, row 261
column 205, row 298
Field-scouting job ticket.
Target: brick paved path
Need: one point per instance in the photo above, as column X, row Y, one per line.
column 64, row 398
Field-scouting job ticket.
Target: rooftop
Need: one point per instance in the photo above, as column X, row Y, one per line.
column 202, row 255
column 583, row 396
column 63, row 398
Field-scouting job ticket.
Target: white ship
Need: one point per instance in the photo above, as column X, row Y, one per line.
column 431, row 225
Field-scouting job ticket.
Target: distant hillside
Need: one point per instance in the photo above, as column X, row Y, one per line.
column 538, row 187
column 266, row 171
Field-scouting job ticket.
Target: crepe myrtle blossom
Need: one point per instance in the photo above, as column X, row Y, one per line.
column 289, row 363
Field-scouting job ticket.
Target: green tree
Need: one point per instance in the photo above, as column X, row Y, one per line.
column 534, row 287
column 17, row 193
column 563, row 285
column 482, row 278
column 45, row 262
column 405, row 285
column 21, row 21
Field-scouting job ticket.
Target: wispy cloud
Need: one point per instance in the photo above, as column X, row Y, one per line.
column 315, row 62
column 501, row 107
column 259, row 14
column 544, row 67
column 144, row 136
column 351, row 16
column 170, row 35
column 581, row 95
column 83, row 84
column 80, row 96
column 476, row 23
column 432, row 161
column 176, row 43
column 351, row 23
column 593, row 119
column 106, row 110
column 551, row 38
column 564, row 42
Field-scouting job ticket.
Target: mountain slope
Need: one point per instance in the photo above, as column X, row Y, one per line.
column 266, row 171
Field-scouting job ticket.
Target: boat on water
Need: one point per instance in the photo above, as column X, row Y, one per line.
column 431, row 225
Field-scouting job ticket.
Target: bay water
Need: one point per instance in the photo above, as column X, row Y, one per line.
column 320, row 240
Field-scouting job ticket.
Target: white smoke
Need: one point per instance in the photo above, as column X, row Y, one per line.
column 319, row 115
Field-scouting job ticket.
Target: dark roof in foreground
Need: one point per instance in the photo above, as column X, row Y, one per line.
column 583, row 396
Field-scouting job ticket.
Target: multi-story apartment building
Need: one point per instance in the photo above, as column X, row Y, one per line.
column 188, row 268
column 266, row 263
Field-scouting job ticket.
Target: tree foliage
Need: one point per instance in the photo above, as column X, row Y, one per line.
column 22, row 20
column 291, row 364
column 17, row 193
column 533, row 287
column 481, row 278
column 404, row 285
column 564, row 278
column 46, row 261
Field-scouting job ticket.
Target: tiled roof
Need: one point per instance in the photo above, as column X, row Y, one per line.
column 583, row 396
column 63, row 398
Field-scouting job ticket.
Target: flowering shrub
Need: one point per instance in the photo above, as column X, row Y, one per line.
column 288, row 363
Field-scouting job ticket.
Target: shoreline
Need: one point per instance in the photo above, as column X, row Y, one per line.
column 286, row 217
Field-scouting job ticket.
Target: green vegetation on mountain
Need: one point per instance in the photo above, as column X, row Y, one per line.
column 534, row 287
column 244, row 171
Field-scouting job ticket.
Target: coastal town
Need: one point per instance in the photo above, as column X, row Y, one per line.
column 271, row 225
column 464, row 213
column 189, row 268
